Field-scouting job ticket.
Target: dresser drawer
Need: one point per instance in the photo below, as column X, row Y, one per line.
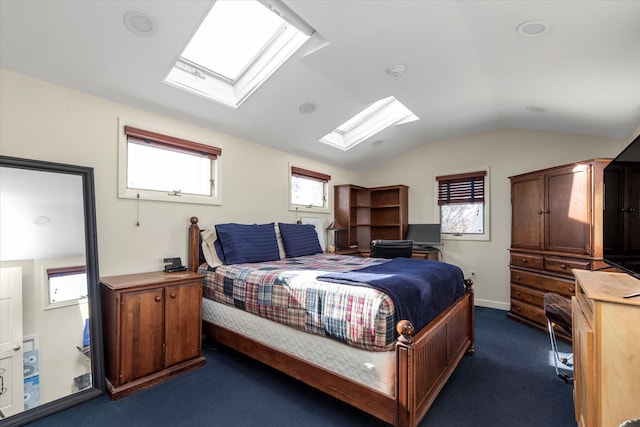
column 527, row 260
column 564, row 266
column 543, row 283
column 531, row 312
column 528, row 295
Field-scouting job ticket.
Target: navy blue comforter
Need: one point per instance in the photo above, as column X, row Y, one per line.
column 420, row 289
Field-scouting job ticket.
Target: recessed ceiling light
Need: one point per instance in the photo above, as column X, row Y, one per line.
column 535, row 109
column 140, row 24
column 307, row 107
column 42, row 220
column 533, row 28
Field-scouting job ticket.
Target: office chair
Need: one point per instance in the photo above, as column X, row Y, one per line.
column 391, row 248
column 557, row 310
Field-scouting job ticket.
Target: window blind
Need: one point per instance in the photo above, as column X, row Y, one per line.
column 141, row 136
column 66, row 271
column 296, row 171
column 461, row 188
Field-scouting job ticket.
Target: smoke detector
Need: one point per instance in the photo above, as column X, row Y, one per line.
column 395, row 71
column 307, row 107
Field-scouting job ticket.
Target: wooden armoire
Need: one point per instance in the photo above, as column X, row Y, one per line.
column 556, row 226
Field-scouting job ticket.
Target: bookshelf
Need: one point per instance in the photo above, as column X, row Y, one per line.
column 369, row 214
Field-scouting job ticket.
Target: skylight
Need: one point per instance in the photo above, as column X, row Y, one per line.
column 378, row 116
column 238, row 46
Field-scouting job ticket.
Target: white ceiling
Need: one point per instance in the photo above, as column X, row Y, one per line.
column 41, row 214
column 467, row 69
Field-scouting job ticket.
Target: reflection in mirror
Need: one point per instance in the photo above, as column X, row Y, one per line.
column 50, row 329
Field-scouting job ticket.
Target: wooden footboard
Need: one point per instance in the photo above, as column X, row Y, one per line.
column 424, row 360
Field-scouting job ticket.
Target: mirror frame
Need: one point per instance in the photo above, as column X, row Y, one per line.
column 95, row 312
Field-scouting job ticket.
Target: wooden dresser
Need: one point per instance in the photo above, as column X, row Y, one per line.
column 606, row 347
column 556, row 226
column 152, row 328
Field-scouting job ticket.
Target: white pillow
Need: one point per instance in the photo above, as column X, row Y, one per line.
column 283, row 254
column 208, row 250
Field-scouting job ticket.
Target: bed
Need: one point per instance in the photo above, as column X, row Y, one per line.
column 366, row 366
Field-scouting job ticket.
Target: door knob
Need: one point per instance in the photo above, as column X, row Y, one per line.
column 16, row 347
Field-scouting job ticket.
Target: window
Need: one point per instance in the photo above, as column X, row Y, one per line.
column 238, row 46
column 378, row 116
column 461, row 199
column 160, row 167
column 67, row 284
column 308, row 190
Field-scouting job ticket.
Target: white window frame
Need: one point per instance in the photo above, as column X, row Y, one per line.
column 124, row 192
column 41, row 276
column 200, row 81
column 484, row 237
column 51, row 280
column 303, row 208
column 377, row 117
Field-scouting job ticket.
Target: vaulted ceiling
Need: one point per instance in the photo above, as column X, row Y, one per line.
column 467, row 69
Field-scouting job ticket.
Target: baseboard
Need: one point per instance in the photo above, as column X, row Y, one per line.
column 492, row 304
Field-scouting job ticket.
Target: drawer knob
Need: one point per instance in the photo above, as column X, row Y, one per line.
column 518, row 277
column 172, row 294
column 572, row 290
column 524, row 260
column 539, row 211
column 563, row 266
column 157, row 298
column 517, row 307
column 519, row 293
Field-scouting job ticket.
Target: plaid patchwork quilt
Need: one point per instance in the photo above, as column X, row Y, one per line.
column 287, row 291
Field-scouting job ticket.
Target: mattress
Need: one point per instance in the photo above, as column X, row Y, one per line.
column 372, row 369
column 286, row 291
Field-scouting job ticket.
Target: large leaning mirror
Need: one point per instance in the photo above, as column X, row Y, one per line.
column 50, row 322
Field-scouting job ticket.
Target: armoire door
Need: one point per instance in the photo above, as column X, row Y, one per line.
column 527, row 202
column 568, row 213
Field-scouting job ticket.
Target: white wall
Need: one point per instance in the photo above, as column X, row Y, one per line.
column 49, row 122
column 505, row 153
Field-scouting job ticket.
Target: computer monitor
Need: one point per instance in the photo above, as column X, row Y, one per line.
column 424, row 236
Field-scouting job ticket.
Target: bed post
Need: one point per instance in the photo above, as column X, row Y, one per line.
column 405, row 387
column 193, row 250
column 472, row 347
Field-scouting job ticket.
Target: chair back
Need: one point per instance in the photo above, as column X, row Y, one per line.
column 391, row 248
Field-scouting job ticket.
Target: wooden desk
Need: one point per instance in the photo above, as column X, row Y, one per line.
column 606, row 347
column 366, row 252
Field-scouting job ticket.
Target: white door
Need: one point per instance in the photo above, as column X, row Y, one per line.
column 12, row 397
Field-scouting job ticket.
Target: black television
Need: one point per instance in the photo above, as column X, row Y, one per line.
column 424, row 236
column 621, row 211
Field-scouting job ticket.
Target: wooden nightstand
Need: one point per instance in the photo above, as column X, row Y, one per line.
column 152, row 328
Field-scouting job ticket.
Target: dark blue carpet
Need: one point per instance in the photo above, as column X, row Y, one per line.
column 508, row 382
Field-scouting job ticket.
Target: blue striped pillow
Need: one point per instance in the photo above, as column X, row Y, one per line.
column 299, row 239
column 243, row 243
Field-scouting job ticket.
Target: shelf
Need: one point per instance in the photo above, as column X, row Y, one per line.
column 370, row 213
